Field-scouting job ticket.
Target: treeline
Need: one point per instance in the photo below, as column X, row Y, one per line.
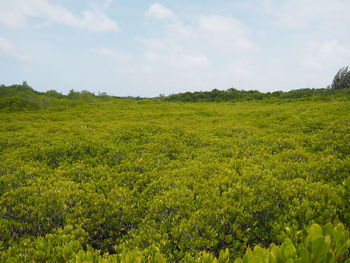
column 241, row 95
column 340, row 87
column 23, row 97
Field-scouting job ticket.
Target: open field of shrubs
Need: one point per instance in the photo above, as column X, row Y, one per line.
column 123, row 180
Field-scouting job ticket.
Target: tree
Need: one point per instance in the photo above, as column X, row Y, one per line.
column 25, row 84
column 341, row 79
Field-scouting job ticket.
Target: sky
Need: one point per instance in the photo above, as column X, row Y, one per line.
column 147, row 48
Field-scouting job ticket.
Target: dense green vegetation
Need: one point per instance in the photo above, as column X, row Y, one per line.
column 340, row 87
column 23, row 97
column 87, row 178
column 242, row 95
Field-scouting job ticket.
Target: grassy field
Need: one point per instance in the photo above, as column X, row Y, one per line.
column 150, row 180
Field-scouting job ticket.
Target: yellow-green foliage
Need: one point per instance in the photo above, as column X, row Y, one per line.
column 152, row 181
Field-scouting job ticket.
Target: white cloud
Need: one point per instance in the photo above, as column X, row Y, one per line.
column 15, row 13
column 107, row 3
column 9, row 50
column 326, row 55
column 218, row 51
column 97, row 22
column 224, row 32
column 174, row 55
column 115, row 54
column 159, row 11
column 302, row 13
column 180, row 61
column 205, row 53
column 196, row 45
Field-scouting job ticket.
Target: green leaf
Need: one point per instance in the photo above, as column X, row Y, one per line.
column 224, row 256
column 342, row 249
column 320, row 247
column 305, row 255
column 275, row 254
column 328, row 229
column 315, row 231
column 260, row 252
column 288, row 249
column 255, row 259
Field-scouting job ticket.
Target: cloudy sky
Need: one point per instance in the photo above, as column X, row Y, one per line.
column 147, row 48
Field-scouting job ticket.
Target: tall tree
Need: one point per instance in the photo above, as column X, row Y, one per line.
column 341, row 79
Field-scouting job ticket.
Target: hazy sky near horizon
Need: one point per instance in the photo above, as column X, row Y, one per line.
column 147, row 48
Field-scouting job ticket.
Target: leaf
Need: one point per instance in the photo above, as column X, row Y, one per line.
column 342, row 249
column 305, row 255
column 288, row 249
column 255, row 259
column 320, row 247
column 315, row 231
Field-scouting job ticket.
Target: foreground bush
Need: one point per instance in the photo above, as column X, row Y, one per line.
column 322, row 244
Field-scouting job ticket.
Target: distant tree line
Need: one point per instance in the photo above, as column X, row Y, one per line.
column 241, row 95
column 23, row 97
column 339, row 87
